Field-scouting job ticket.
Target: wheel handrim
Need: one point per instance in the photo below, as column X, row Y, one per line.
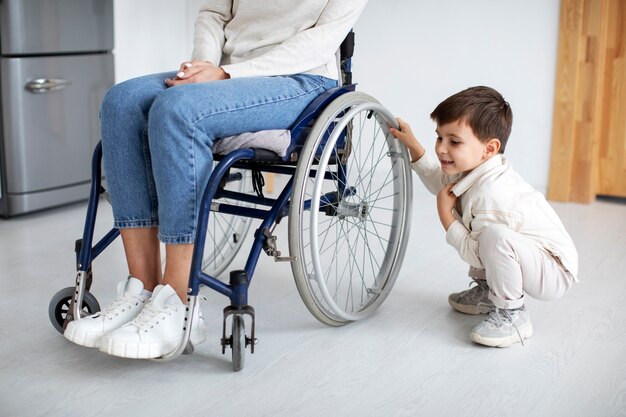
column 355, row 302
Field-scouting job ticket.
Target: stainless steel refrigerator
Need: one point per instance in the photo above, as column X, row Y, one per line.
column 56, row 63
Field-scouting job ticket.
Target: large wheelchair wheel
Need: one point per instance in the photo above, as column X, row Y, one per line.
column 225, row 232
column 350, row 211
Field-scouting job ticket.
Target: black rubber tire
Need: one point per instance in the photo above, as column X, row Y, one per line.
column 238, row 343
column 60, row 304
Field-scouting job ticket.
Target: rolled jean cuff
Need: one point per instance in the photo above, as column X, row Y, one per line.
column 177, row 240
column 506, row 304
column 136, row 224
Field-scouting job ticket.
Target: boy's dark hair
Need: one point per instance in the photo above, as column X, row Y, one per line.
column 482, row 108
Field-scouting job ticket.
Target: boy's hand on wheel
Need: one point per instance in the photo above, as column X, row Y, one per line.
column 406, row 137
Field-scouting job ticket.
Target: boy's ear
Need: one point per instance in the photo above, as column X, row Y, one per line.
column 492, row 147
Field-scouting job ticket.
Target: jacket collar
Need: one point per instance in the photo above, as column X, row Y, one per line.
column 491, row 166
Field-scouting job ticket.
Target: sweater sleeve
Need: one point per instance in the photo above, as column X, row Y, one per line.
column 209, row 37
column 461, row 239
column 429, row 171
column 308, row 49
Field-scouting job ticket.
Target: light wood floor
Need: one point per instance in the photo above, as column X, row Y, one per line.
column 412, row 358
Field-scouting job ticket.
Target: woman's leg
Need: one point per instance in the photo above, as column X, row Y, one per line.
column 143, row 255
column 177, row 268
column 128, row 171
column 126, row 161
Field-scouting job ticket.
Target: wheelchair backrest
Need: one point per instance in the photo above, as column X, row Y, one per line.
column 346, row 50
column 304, row 123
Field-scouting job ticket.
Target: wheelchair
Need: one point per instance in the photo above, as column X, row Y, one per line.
column 347, row 197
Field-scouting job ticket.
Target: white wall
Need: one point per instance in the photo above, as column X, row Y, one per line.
column 410, row 54
column 413, row 54
column 152, row 35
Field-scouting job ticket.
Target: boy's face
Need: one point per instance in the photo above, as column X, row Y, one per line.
column 459, row 150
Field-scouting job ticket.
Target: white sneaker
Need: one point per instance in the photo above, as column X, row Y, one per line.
column 156, row 331
column 130, row 299
column 503, row 328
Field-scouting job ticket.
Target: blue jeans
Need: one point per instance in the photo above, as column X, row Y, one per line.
column 157, row 140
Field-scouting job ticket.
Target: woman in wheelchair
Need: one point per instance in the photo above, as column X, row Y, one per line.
column 256, row 65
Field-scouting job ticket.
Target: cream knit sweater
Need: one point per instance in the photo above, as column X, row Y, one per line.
column 274, row 37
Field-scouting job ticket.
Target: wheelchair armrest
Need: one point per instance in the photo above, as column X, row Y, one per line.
column 260, row 155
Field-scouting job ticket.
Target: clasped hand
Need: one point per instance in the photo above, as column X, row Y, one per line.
column 446, row 201
column 197, row 72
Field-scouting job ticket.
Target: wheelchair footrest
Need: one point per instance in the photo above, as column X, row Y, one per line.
column 240, row 310
column 270, row 247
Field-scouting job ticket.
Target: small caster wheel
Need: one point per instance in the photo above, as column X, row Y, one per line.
column 60, row 305
column 238, row 342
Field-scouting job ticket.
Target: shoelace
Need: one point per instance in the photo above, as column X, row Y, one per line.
column 481, row 286
column 123, row 302
column 150, row 315
column 500, row 317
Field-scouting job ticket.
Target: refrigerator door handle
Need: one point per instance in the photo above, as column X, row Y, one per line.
column 44, row 85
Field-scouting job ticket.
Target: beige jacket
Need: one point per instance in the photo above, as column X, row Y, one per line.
column 493, row 193
column 274, row 37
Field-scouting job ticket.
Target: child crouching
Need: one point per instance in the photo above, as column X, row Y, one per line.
column 505, row 230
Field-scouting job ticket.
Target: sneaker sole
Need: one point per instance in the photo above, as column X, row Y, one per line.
column 469, row 309
column 502, row 342
column 82, row 338
column 147, row 350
